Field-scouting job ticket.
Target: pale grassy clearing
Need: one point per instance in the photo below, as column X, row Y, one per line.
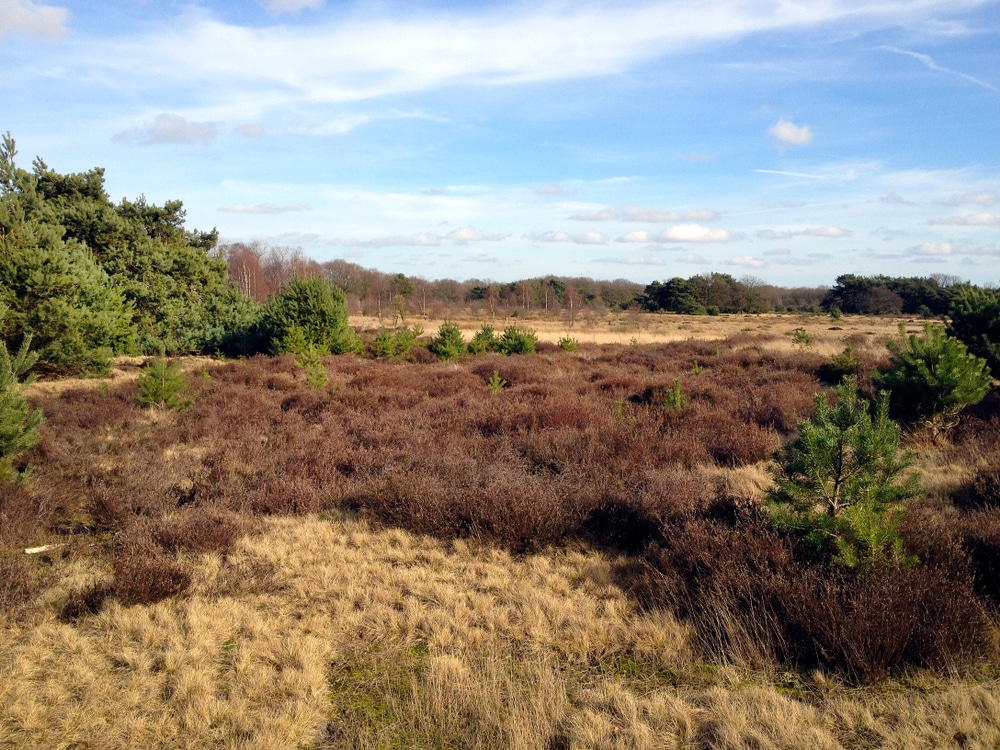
column 627, row 328
column 327, row 633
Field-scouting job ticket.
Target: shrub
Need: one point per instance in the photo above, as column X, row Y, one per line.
column 568, row 345
column 310, row 312
column 801, row 338
column 18, row 421
column 841, row 366
column 484, row 340
column 516, row 340
column 147, row 577
column 933, row 377
column 448, row 344
column 162, row 384
column 390, row 345
column 842, row 480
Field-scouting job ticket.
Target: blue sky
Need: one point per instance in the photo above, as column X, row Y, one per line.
column 791, row 141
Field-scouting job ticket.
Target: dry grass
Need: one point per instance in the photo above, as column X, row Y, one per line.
column 323, row 633
column 828, row 335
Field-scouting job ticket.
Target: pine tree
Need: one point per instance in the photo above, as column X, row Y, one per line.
column 932, row 378
column 842, row 480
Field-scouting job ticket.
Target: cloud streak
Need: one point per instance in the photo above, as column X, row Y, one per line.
column 930, row 64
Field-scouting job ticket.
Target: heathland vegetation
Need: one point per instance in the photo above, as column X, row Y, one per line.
column 337, row 535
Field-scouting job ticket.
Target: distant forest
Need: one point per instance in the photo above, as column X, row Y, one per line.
column 86, row 279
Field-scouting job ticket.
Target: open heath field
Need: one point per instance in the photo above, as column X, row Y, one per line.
column 567, row 549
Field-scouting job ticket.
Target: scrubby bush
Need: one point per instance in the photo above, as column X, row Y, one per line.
column 841, row 481
column 516, row 340
column 389, row 345
column 448, row 344
column 932, row 378
column 568, row 344
column 484, row 340
column 162, row 385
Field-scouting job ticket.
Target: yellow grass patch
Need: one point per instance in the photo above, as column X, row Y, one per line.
column 326, row 633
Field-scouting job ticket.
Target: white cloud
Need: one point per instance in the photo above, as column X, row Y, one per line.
column 264, row 208
column 169, row 128
column 550, row 237
column 933, row 248
column 603, row 214
column 423, row 239
column 652, row 215
column 291, row 6
column 746, row 261
column 694, row 233
column 640, row 235
column 590, row 238
column 634, row 260
column 31, row 18
column 778, row 251
column 787, row 234
column 468, row 234
column 695, row 259
column 788, row 132
column 983, row 219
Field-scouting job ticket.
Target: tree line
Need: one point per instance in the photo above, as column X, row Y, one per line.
column 86, row 279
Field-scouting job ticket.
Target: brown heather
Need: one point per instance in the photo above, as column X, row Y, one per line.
column 402, row 559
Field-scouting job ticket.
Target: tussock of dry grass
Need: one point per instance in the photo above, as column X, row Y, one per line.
column 325, row 633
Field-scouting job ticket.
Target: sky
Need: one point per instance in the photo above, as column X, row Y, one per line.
column 789, row 141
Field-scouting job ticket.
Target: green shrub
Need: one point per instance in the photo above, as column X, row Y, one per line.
column 162, row 384
column 18, row 421
column 674, row 399
column 933, row 377
column 496, row 383
column 801, row 338
column 398, row 344
column 484, row 340
column 516, row 340
column 310, row 312
column 568, row 345
column 448, row 344
column 841, row 482
column 975, row 321
column 841, row 366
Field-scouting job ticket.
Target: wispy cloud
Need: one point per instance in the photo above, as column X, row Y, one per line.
column 982, row 219
column 634, row 260
column 787, row 234
column 650, row 215
column 746, row 261
column 264, row 208
column 930, row 64
column 550, row 189
column 465, row 235
column 169, row 128
column 378, row 55
column 31, row 18
column 291, row 6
